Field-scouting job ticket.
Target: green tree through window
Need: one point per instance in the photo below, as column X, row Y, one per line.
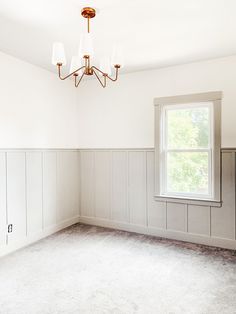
column 187, row 130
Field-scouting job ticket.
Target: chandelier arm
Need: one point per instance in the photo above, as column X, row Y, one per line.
column 104, row 76
column 95, row 68
column 77, row 84
column 116, row 76
column 67, row 76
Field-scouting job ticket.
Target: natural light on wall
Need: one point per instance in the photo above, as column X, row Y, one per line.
column 188, row 160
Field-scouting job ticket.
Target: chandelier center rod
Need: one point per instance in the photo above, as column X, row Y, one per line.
column 88, row 13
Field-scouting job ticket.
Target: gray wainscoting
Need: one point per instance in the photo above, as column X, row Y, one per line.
column 117, row 188
column 39, row 194
column 43, row 191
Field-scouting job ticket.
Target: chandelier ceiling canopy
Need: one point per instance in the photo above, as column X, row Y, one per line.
column 81, row 63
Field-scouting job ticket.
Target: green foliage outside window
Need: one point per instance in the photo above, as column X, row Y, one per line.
column 188, row 129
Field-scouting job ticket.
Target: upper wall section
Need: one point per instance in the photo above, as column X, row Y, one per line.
column 122, row 115
column 37, row 110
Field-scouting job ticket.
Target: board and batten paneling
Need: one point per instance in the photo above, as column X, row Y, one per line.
column 49, row 189
column 119, row 201
column 39, row 194
column 102, row 188
column 67, row 185
column 134, row 208
column 16, row 195
column 34, row 190
column 3, row 216
column 87, row 183
column 156, row 209
column 199, row 219
column 137, row 188
column 223, row 219
column 176, row 217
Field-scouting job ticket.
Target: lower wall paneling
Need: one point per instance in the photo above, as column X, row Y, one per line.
column 119, row 196
column 137, row 177
column 102, row 184
column 49, row 189
column 43, row 191
column 133, row 208
column 34, row 191
column 156, row 210
column 3, row 216
column 87, row 187
column 223, row 219
column 16, row 196
column 39, row 194
column 67, row 185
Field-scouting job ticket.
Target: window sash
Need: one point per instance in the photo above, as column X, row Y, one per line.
column 164, row 184
column 164, row 150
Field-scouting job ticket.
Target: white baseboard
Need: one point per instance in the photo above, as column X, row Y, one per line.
column 169, row 234
column 7, row 249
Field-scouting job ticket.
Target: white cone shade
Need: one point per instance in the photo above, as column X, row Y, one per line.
column 86, row 45
column 117, row 56
column 105, row 66
column 76, row 64
column 58, row 54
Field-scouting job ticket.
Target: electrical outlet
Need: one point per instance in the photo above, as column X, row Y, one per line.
column 9, row 228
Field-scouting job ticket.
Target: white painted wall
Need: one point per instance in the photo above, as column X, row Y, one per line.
column 36, row 108
column 122, row 115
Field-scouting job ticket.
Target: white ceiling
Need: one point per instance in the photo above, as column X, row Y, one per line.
column 153, row 33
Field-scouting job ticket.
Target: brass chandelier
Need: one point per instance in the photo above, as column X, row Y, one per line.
column 77, row 70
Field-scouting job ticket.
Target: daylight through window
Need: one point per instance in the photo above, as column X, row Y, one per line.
column 187, row 161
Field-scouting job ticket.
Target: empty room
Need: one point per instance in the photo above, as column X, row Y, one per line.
column 117, row 157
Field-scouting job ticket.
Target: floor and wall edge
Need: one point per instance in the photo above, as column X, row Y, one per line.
column 168, row 234
column 10, row 248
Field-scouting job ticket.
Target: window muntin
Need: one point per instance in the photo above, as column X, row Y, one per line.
column 186, row 154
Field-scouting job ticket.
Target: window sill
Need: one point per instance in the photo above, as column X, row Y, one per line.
column 190, row 201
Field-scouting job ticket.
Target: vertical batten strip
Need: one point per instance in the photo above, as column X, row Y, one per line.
column 146, row 185
column 165, row 215
column 93, row 184
column 7, row 220
column 26, row 194
column 42, row 165
column 186, row 217
column 111, row 187
column 57, row 188
column 128, row 186
column 234, row 157
column 110, row 183
column 79, row 182
column 210, row 221
column 166, row 212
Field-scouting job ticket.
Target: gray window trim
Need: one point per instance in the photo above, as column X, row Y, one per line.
column 216, row 98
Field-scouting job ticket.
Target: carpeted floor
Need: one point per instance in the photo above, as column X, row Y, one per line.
column 91, row 270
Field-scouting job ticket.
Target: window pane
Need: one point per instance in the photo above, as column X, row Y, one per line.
column 187, row 172
column 188, row 128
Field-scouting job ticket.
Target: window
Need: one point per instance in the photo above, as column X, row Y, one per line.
column 188, row 147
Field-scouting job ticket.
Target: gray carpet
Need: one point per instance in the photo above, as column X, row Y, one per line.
column 85, row 269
